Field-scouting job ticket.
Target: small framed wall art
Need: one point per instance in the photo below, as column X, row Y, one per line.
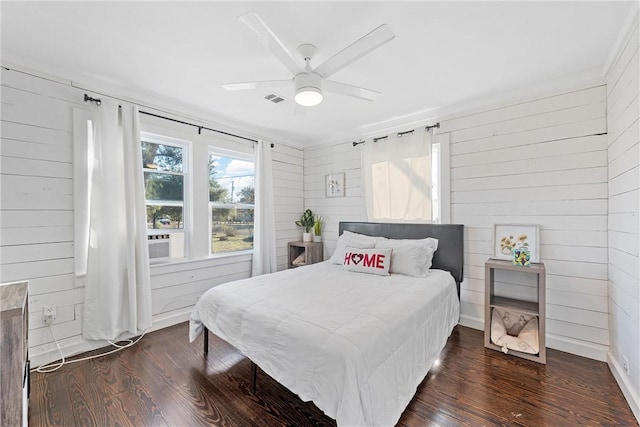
column 507, row 237
column 334, row 185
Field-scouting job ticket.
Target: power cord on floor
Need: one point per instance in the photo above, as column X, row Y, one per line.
column 51, row 367
column 57, row 365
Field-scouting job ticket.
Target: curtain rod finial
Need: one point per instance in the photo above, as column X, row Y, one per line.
column 88, row 98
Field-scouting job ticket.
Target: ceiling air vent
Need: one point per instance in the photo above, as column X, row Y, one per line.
column 275, row 98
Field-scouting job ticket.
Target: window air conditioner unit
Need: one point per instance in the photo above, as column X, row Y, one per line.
column 159, row 247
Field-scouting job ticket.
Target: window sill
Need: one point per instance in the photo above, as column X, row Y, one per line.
column 230, row 254
column 213, row 257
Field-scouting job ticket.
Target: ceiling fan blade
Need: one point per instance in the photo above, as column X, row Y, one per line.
column 356, row 50
column 271, row 41
column 350, row 90
column 256, row 85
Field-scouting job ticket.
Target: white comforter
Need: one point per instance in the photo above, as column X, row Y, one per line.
column 355, row 344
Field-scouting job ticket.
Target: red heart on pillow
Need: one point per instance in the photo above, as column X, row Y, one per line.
column 356, row 258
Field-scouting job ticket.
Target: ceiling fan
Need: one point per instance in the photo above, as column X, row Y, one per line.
column 309, row 83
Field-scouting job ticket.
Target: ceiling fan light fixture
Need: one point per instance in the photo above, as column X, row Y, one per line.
column 308, row 96
column 310, row 82
column 308, row 88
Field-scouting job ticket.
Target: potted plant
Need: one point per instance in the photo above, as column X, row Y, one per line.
column 317, row 229
column 306, row 222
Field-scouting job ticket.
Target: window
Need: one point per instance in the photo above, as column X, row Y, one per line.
column 183, row 221
column 82, row 164
column 165, row 167
column 231, row 201
column 397, row 175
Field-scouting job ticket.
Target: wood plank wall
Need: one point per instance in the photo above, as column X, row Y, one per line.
column 539, row 161
column 36, row 234
column 320, row 161
column 288, row 183
column 623, row 111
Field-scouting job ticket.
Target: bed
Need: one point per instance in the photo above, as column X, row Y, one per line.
column 355, row 344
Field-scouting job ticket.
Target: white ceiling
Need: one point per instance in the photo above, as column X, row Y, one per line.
column 444, row 54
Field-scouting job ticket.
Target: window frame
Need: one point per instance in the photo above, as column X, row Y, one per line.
column 187, row 179
column 197, row 212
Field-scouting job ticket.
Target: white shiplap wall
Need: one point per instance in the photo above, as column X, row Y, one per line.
column 623, row 111
column 288, row 191
column 36, row 223
column 539, row 161
column 36, row 234
column 320, row 161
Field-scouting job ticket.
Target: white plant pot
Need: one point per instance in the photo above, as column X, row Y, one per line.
column 306, row 237
column 317, row 239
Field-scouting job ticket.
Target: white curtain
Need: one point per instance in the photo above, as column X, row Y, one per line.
column 117, row 283
column 264, row 233
column 397, row 177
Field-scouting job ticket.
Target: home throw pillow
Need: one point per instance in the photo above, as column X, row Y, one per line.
column 373, row 261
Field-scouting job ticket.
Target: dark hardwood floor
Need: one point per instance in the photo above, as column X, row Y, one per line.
column 165, row 381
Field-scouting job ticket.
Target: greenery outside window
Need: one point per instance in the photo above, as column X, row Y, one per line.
column 231, row 201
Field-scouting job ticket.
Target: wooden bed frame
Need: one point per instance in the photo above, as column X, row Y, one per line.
column 449, row 256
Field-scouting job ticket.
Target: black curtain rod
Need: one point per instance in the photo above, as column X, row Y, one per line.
column 98, row 101
column 378, row 138
column 88, row 98
column 401, row 134
column 199, row 127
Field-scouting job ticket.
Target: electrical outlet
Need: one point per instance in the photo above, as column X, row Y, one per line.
column 49, row 314
column 625, row 365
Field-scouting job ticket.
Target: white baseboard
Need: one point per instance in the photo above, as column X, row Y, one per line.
column 471, row 322
column 68, row 350
column 623, row 382
column 173, row 318
column 579, row 348
column 82, row 346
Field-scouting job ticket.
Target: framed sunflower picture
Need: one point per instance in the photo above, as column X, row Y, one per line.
column 510, row 237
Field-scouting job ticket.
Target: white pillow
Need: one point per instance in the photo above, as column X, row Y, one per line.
column 356, row 240
column 433, row 244
column 373, row 261
column 411, row 257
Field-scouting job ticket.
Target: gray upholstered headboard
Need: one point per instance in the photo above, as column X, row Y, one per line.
column 450, row 253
